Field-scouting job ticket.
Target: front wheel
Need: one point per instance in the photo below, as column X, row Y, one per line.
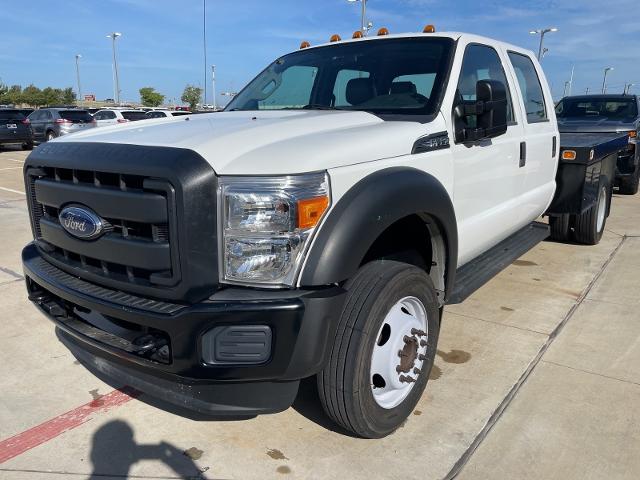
column 27, row 146
column 384, row 349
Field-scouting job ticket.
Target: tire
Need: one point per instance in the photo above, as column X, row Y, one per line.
column 50, row 135
column 589, row 226
column 629, row 185
column 560, row 227
column 27, row 146
column 347, row 383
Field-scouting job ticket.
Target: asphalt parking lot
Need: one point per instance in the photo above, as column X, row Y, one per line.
column 537, row 377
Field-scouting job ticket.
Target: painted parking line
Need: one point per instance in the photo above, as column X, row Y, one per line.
column 10, row 168
column 12, row 191
column 25, row 441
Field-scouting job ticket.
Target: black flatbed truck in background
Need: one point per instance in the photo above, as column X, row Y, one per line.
column 585, row 180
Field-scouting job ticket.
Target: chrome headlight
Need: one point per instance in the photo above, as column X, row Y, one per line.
column 267, row 224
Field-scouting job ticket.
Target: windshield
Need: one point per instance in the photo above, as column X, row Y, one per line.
column 11, row 115
column 611, row 108
column 76, row 116
column 391, row 76
column 134, row 115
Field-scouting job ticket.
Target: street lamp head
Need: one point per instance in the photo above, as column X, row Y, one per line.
column 78, row 56
column 114, row 35
column 608, row 69
column 534, row 32
column 553, row 29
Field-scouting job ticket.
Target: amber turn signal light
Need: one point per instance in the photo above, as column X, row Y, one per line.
column 383, row 31
column 357, row 34
column 569, row 155
column 335, row 38
column 310, row 211
column 633, row 134
column 304, row 44
column 429, row 29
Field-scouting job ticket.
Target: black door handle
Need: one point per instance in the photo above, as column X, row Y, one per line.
column 523, row 154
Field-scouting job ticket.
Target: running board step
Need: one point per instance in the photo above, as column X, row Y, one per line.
column 479, row 271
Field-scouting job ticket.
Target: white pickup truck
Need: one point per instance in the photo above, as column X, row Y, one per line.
column 317, row 226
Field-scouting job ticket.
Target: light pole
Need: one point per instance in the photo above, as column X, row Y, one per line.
column 204, row 48
column 363, row 19
column 78, row 57
column 604, row 80
column 542, row 32
column 627, row 88
column 566, row 87
column 116, row 79
column 213, row 85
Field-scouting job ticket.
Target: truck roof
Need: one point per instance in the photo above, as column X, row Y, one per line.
column 453, row 35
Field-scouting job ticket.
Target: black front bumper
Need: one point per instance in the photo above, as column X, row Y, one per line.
column 302, row 323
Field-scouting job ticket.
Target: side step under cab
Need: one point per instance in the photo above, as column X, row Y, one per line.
column 479, row 271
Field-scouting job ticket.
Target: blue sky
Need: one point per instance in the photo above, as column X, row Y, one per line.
column 162, row 40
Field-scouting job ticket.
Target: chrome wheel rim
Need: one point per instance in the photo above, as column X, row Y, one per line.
column 602, row 208
column 399, row 352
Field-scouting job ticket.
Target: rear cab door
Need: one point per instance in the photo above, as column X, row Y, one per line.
column 542, row 139
column 486, row 172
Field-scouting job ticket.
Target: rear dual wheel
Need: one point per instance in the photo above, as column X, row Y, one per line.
column 384, row 349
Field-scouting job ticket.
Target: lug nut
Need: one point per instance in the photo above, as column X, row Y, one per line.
column 423, row 343
column 407, row 379
column 422, row 357
column 408, row 339
column 420, row 333
column 417, row 371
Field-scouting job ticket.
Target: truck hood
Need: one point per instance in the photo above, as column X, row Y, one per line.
column 270, row 142
column 595, row 124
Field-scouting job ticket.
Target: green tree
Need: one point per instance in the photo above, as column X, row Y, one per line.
column 68, row 96
column 3, row 92
column 191, row 95
column 51, row 96
column 13, row 95
column 33, row 96
column 150, row 98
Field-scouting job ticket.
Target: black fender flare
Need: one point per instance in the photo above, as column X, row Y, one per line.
column 368, row 209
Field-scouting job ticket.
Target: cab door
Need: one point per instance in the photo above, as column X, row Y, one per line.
column 486, row 172
column 541, row 133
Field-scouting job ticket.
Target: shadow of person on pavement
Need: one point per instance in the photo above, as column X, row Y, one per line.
column 114, row 451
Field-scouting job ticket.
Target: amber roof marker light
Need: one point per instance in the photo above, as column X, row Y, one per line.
column 429, row 29
column 383, row 31
column 304, row 44
column 357, row 34
column 335, row 38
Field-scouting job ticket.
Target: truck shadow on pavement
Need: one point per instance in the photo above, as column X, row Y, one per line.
column 114, row 451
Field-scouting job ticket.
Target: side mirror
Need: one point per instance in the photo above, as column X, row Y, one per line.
column 489, row 109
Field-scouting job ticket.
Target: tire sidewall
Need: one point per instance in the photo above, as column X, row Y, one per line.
column 408, row 283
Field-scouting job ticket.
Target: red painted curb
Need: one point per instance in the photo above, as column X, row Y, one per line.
column 22, row 442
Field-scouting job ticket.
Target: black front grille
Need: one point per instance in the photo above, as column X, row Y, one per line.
column 160, row 206
column 136, row 249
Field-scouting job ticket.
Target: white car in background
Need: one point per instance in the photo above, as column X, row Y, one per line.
column 112, row 116
column 165, row 113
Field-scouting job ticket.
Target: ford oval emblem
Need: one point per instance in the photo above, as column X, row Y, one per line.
column 81, row 222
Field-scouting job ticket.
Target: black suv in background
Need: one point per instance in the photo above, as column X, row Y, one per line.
column 49, row 123
column 607, row 114
column 15, row 128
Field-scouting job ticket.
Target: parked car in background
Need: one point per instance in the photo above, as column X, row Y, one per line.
column 15, row 128
column 49, row 123
column 165, row 114
column 26, row 111
column 607, row 114
column 114, row 116
column 93, row 111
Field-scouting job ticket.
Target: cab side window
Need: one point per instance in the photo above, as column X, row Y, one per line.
column 530, row 87
column 481, row 62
